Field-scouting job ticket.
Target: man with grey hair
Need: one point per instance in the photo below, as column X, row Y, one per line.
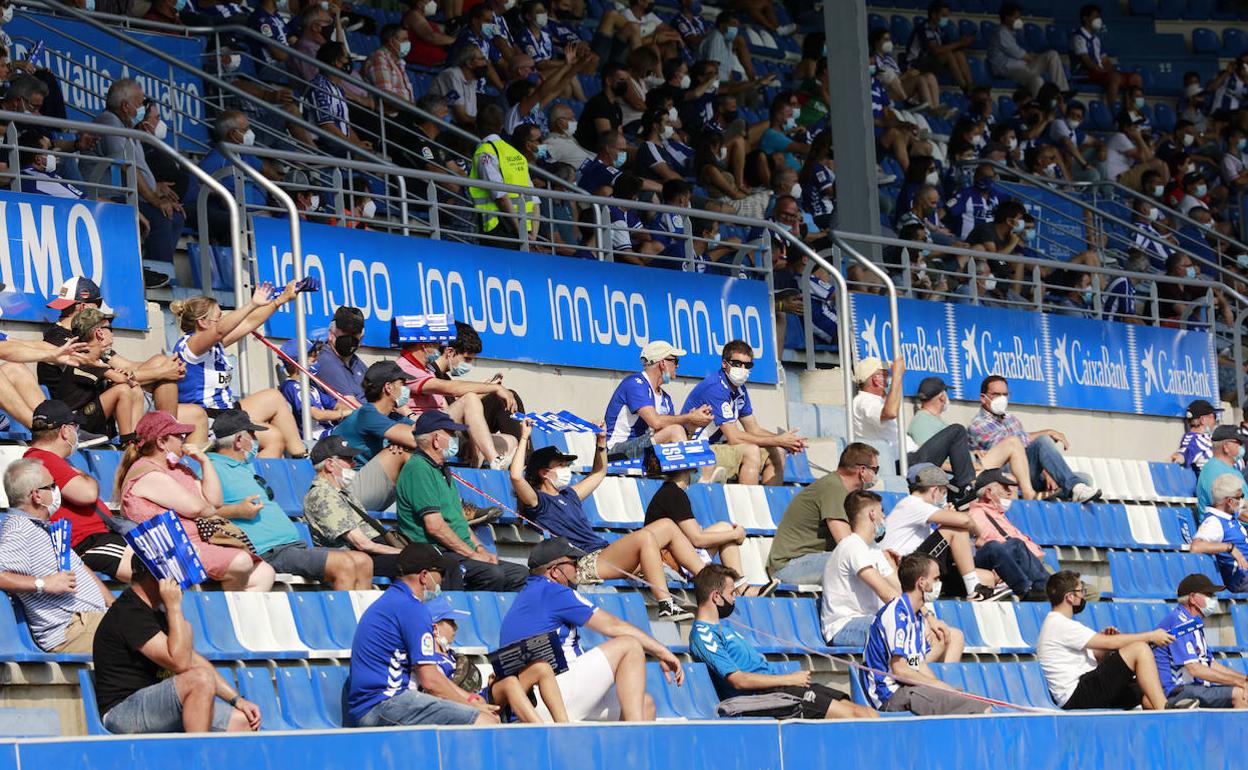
column 1222, row 532
column 561, row 141
column 336, row 518
column 125, row 107
column 460, row 83
column 63, row 608
column 231, row 127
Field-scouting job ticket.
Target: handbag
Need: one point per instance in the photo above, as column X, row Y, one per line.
column 392, row 537
column 218, row 530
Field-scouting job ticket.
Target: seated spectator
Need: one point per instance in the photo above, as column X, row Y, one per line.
column 713, row 163
column 917, row 90
column 893, row 134
column 38, row 173
column 1008, row 59
column 730, row 51
column 641, row 413
column 148, row 677
column 385, row 439
column 1121, row 300
column 598, row 174
column 395, row 675
column 1084, row 152
column 1187, row 671
column 974, row 205
column 738, row 668
column 549, row 499
column 1158, row 247
column 815, row 519
column 385, row 67
column 1222, row 533
column 606, row 682
column 860, row 578
column 153, row 479
column 743, row 448
column 1089, row 670
column 778, row 140
column 335, row 517
column 925, row 522
column 934, row 45
column 340, row 368
column 928, row 425
column 561, row 140
column 1004, row 235
column 1001, row 547
column 460, row 83
column 63, row 609
column 528, row 100
column 1228, row 445
column 1070, row 294
column 158, row 204
column 1129, row 154
column 233, row 127
column 19, row 390
column 73, row 296
column 248, row 501
column 430, row 511
column 428, row 42
column 661, row 157
column 898, row 644
column 486, row 31
column 604, row 111
column 326, row 412
column 328, row 104
column 1088, row 61
column 1049, row 471
column 105, row 401
column 206, row 332
column 1195, row 193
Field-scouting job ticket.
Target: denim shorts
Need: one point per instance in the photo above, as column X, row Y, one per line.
column 413, row 707
column 156, row 709
column 298, row 559
column 854, row 633
column 1216, row 696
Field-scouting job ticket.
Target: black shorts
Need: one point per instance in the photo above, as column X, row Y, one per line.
column 938, row 548
column 92, row 419
column 816, row 699
column 1111, row 685
column 101, row 552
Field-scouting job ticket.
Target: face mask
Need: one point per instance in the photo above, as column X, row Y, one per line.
column 161, row 130
column 1211, row 606
column 1139, row 102
column 346, row 344
column 315, row 203
column 1029, row 235
column 1190, row 272
column 621, row 158
column 49, row 163
column 1154, row 215
column 1018, row 24
column 668, row 131
column 1098, row 24
column 1073, row 124
column 934, row 594
column 731, row 34
column 984, row 184
column 232, row 62
column 452, row 447
column 172, row 459
column 346, row 476
column 1192, row 89
column 433, row 591
column 405, row 48
column 932, row 178
column 461, row 369
column 887, row 47
column 714, row 86
column 998, row 405
column 1242, row 260
column 738, row 375
column 90, row 5
column 667, row 377
column 685, row 81
column 723, row 153
column 561, row 477
column 945, row 21
column 790, row 123
column 1188, row 139
column 1080, row 607
column 179, row 5
column 978, row 141
column 725, row 609
column 369, row 209
column 249, row 138
column 880, row 531
column 489, row 30
column 796, row 190
column 1005, row 503
column 431, row 7
column 55, row 505
column 541, row 19
column 1019, row 226
column 620, row 88
column 571, row 127
column 142, row 113
column 870, row 69
column 442, row 641
column 1158, row 190
column 8, row 15
column 251, row 453
column 990, row 284
column 1087, row 297
column 1200, row 191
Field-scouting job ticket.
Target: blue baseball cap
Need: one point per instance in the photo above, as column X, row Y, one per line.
column 441, row 609
column 433, row 420
column 291, row 348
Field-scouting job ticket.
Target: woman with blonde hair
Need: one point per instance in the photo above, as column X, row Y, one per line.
column 207, row 331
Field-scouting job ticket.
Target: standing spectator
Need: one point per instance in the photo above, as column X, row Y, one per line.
column 815, row 520
column 1001, row 547
column 54, row 437
column 1187, row 671
column 743, row 448
column 935, row 45
column 897, row 643
column 148, row 677
column 1196, row 446
column 975, row 204
column 1088, row 60
column 430, row 511
column 860, row 578
column 606, row 682
column 1222, row 531
column 495, row 160
column 1089, row 670
column 641, row 413
column 395, row 675
column 1228, row 451
column 64, row 609
column 1008, row 59
column 993, row 424
column 335, row 517
column 340, row 368
column 738, row 668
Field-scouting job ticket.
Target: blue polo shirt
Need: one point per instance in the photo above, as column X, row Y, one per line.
column 1189, row 644
column 725, row 652
column 896, row 631
column 543, row 606
column 346, row 378
column 629, row 397
column 271, row 527
column 564, row 515
column 727, row 403
column 394, row 635
column 1219, row 527
column 594, row 174
column 366, row 428
column 1204, row 483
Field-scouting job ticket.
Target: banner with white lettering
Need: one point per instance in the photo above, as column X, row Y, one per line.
column 1053, row 360
column 86, row 61
column 526, row 307
column 47, row 240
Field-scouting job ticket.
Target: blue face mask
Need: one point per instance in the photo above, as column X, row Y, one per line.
column 1019, row 226
column 925, row 253
column 432, row 356
column 621, row 158
column 984, row 184
column 946, row 21
column 142, row 113
column 1239, row 145
column 1240, row 453
column 405, row 395
column 1087, row 297
column 1029, row 235
column 543, row 152
column 179, row 6
column 880, row 531
column 1190, row 272
column 90, row 5
column 460, row 370
column 667, row 376
column 1139, row 102
column 731, row 34
column 314, row 367
column 250, row 454
column 452, row 448
column 489, row 30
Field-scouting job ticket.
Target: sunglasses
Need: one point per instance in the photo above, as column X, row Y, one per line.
column 48, row 487
column 873, row 468
column 268, row 490
column 740, row 364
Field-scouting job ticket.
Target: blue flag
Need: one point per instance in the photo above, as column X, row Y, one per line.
column 62, row 534
column 166, row 550
column 559, row 422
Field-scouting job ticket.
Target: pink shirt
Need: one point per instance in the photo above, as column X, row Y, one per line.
column 420, row 376
column 994, row 527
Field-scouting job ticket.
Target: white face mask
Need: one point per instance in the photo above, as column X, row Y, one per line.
column 315, row 203
column 796, row 190
column 998, row 405
column 1018, row 24
column 932, row 178
column 738, row 375
column 685, row 81
column 431, row 7
column 161, row 130
column 886, row 47
column 672, row 114
column 346, row 476
column 49, row 163
column 990, row 284
column 668, row 131
column 1013, row 143
column 8, row 15
column 571, row 127
column 55, row 504
column 369, row 209
column 1192, row 89
column 723, row 152
column 1097, row 24
column 1211, row 606
column 249, row 138
column 934, row 594
column 1005, row 503
column 1188, row 139
column 233, row 62
column 561, row 477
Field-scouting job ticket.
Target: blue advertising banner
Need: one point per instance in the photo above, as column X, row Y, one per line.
column 87, row 61
column 1050, row 360
column 526, row 307
column 1059, row 223
column 48, row 239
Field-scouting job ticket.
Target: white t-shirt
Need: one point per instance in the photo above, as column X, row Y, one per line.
column 1062, row 649
column 868, row 426
column 906, row 527
column 845, row 595
column 1116, row 162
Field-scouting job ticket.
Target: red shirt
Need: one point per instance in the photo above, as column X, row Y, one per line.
column 84, row 520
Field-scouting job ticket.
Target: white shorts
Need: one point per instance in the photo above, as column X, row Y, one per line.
column 588, row 689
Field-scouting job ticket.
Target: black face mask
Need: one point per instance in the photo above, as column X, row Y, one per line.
column 1078, row 608
column 346, row 67
column 725, row 609
column 620, row 88
column 480, row 72
column 730, row 115
column 346, row 344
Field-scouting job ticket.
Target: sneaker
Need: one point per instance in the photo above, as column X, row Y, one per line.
column 786, row 29
column 670, row 610
column 500, row 463
column 1183, row 704
column 1082, row 493
column 154, row 279
column 1035, row 595
column 963, row 499
column 983, row 593
column 86, row 440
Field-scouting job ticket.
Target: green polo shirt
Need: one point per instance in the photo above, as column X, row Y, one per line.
column 423, row 488
column 271, row 527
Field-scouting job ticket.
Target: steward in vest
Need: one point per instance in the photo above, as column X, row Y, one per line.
column 495, row 160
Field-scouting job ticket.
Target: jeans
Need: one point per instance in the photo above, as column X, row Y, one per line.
column 1016, row 565
column 474, row 575
column 413, row 707
column 804, row 570
column 162, row 236
column 853, row 634
column 156, row 709
column 949, row 444
column 1043, row 455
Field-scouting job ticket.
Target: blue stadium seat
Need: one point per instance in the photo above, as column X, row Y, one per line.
column 299, row 698
column 778, row 498
column 1058, row 38
column 467, row 631
column 28, row 641
column 274, row 473
column 1143, row 7
column 876, row 21
column 697, row 699
column 899, row 29
column 256, row 685
column 1234, row 42
column 1169, row 10
column 1198, row 10
column 768, row 624
column 707, row 501
column 658, row 689
column 488, row 616
column 12, row 645
column 797, row 469
column 1034, row 37
column 339, row 615
column 1152, row 575
column 312, row 621
column 80, row 461
column 630, row 607
column 805, row 622
column 329, row 682
column 215, row 628
column 1099, row 116
column 1018, row 683
column 1205, row 41
column 90, row 707
column 104, row 464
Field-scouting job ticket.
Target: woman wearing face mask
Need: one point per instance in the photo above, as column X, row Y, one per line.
column 153, row 479
column 710, row 160
column 817, row 183
column 429, row 44
column 39, row 176
column 548, row 497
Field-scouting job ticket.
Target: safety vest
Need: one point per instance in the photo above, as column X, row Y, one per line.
column 515, row 170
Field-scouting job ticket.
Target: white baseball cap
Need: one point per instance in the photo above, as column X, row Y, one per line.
column 659, row 350
column 866, row 369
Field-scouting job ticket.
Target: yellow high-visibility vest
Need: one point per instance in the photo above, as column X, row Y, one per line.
column 515, row 170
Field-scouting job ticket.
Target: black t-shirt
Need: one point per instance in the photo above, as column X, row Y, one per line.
column 50, row 374
column 986, row 232
column 120, row 669
column 597, row 107
column 80, row 385
column 670, row 502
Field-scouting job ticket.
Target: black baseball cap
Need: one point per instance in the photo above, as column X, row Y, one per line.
column 930, row 388
column 419, row 557
column 53, row 413
column 433, row 420
column 382, row 372
column 332, row 446
column 547, row 456
column 1227, row 433
column 552, row 550
column 1198, row 584
column 233, row 421
column 993, row 476
column 1199, row 408
column 349, row 320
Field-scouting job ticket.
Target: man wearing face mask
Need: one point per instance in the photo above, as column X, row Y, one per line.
column 431, row 511
column 1196, row 446
column 898, row 644
column 1222, row 532
column 640, row 412
column 63, row 609
column 1001, row 547
column 860, row 578
column 1009, row 60
column 385, row 67
column 231, row 127
column 39, row 176
column 385, row 440
column 738, row 668
column 1187, row 671
column 460, row 83
column 1147, row 238
column 603, row 112
column 561, row 141
column 340, row 368
column 1089, row 670
column 1004, row 235
column 395, row 677
column 248, row 502
column 1227, row 458
column 598, row 174
column 1119, row 299
column 974, row 205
